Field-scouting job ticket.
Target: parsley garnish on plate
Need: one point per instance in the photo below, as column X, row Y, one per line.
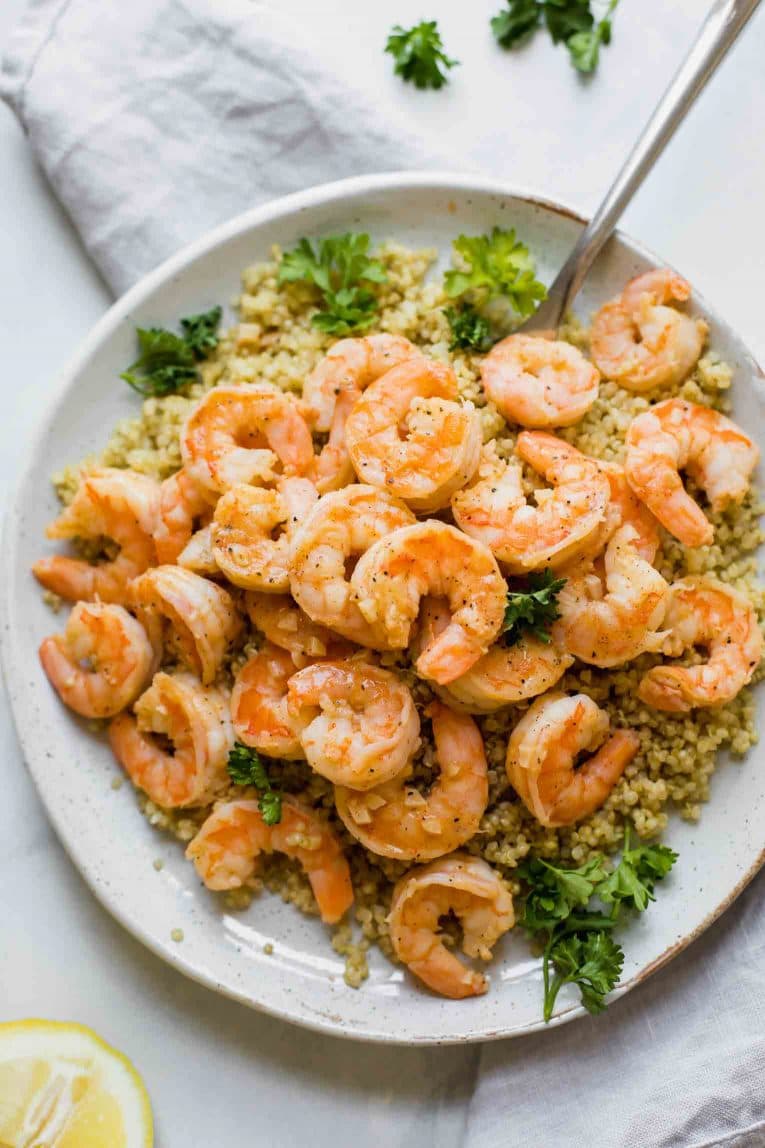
column 494, row 282
column 495, row 266
column 167, row 361
column 589, row 959
column 341, row 269
column 419, row 54
column 533, row 610
column 555, row 893
column 633, row 881
column 200, row 332
column 571, row 22
column 579, row 948
column 246, row 768
column 470, row 330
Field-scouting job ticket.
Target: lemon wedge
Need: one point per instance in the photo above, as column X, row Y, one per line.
column 61, row 1086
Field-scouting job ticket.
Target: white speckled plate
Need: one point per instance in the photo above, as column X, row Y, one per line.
column 102, row 828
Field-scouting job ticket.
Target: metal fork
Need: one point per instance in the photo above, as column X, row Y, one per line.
column 718, row 32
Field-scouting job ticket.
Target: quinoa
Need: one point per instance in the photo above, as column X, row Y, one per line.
column 275, row 341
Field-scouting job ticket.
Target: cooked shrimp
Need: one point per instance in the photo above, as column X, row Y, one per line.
column 349, row 367
column 101, row 662
column 182, row 504
column 524, row 537
column 198, row 555
column 226, row 849
column 609, row 625
column 542, row 751
column 202, row 617
column 358, row 725
column 410, row 435
column 628, row 510
column 475, row 893
column 396, row 820
column 287, row 626
column 115, row 504
column 539, row 382
column 340, row 528
column 639, row 341
column 332, row 468
column 259, row 704
column 241, row 434
column 705, row 612
column 433, row 558
column 504, row 675
column 624, row 509
column 251, row 532
column 195, row 718
column 331, row 391
column 676, row 435
column 509, row 674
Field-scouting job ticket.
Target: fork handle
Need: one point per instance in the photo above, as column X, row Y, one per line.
column 718, row 32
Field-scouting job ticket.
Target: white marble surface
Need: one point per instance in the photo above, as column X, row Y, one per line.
column 210, row 1064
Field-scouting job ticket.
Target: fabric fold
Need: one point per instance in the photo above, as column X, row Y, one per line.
column 155, row 121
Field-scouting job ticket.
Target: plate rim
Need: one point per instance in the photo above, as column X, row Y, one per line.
column 324, row 193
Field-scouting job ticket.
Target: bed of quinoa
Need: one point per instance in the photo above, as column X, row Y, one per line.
column 275, row 341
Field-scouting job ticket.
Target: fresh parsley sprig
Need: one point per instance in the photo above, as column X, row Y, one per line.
column 515, row 22
column 633, row 881
column 554, row 894
column 584, row 45
column 419, row 54
column 341, row 269
column 246, row 768
column 200, row 332
column 495, row 266
column 533, row 610
column 571, row 22
column 167, row 361
column 579, row 948
column 471, row 331
column 590, row 959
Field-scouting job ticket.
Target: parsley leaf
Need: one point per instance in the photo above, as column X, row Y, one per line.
column 419, row 54
column 565, row 18
column 584, row 45
column 584, row 49
column 591, row 960
column 339, row 267
column 200, row 332
column 579, row 947
column 270, row 805
column 470, row 330
column 167, row 361
column 571, row 22
column 555, row 893
column 514, row 23
column 534, row 610
column 497, row 265
column 246, row 768
column 633, row 881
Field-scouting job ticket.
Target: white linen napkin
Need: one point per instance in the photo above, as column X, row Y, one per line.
column 156, row 119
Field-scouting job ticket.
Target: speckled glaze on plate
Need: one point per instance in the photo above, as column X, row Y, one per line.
column 102, row 828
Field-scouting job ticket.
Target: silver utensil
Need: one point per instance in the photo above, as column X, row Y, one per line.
column 718, row 32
